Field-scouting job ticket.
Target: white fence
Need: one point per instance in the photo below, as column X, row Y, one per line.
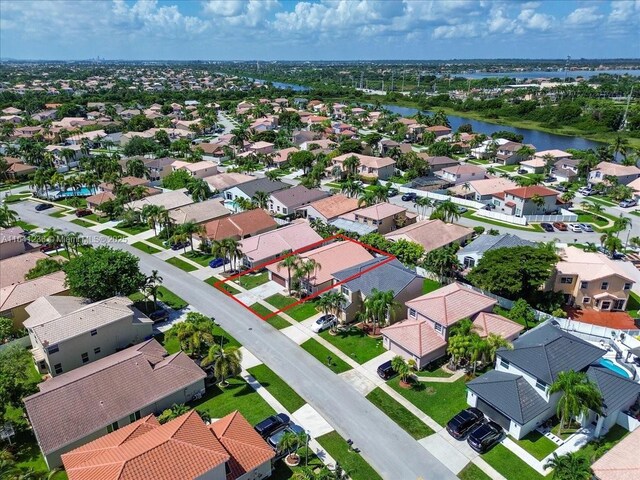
column 565, row 216
column 502, row 217
column 596, row 332
column 440, row 196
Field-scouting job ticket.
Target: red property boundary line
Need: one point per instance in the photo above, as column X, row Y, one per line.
column 326, row 241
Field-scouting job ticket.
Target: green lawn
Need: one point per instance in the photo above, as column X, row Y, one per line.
column 97, row 218
column 433, row 371
column 509, row 464
column 199, row 257
column 586, row 217
column 429, row 285
column 29, row 458
column 351, row 462
column 76, row 202
column 145, row 248
column 536, row 444
column 472, row 472
column 239, row 396
column 157, row 241
column 172, row 345
column 253, row 280
column 613, row 436
column 16, row 198
column 112, row 233
column 277, row 387
column 133, row 229
column 508, row 168
column 25, row 225
column 532, row 227
column 225, row 286
column 169, row 342
column 166, row 296
column 60, row 214
column 276, row 321
column 281, row 471
column 82, row 223
column 181, row 264
column 356, row 344
column 396, row 412
column 603, row 201
column 324, row 356
column 633, row 304
column 440, row 401
column 299, row 312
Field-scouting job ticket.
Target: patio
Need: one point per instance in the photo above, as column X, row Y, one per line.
column 617, row 320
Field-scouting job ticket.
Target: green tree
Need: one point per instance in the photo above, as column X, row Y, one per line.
column 136, row 168
column 44, row 266
column 494, row 342
column 103, row 273
column 522, row 313
column 578, row 395
column 570, row 466
column 15, row 381
column 446, row 211
column 176, row 180
column 291, row 263
column 261, row 200
column 6, row 329
column 302, row 159
column 402, row 368
column 8, row 217
column 198, row 189
column 175, row 411
column 443, row 262
column 226, row 362
column 193, row 335
column 408, row 252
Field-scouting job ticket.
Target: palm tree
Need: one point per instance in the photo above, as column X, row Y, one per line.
column 537, row 200
column 446, row 211
column 198, row 189
column 478, row 349
column 525, row 152
column 152, row 286
column 232, row 249
column 175, row 411
column 149, row 214
column 192, row 335
column 443, row 262
column 494, row 342
column 579, row 395
column 621, row 223
column 8, row 217
column 350, row 165
column 304, row 270
column 402, row 367
column 290, row 263
column 422, row 203
column 219, row 249
column 331, row 302
column 136, row 168
column 190, row 228
column 261, row 200
column 367, row 198
column 380, row 307
column 226, row 362
column 571, row 466
column 611, row 243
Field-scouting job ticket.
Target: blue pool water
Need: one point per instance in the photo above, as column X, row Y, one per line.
column 81, row 192
column 606, row 363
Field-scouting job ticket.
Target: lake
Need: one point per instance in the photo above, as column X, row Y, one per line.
column 545, row 74
column 281, row 85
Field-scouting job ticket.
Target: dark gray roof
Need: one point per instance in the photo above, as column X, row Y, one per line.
column 261, row 185
column 389, row 276
column 299, row 195
column 509, row 394
column 618, row 393
column 484, row 243
column 545, row 351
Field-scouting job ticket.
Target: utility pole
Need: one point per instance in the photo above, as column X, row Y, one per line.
column 361, row 78
column 392, row 72
column 403, row 79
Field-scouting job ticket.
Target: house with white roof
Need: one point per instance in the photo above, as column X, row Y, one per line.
column 200, row 169
column 461, row 173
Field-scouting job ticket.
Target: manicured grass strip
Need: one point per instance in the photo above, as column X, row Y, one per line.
column 633, row 304
column 157, row 241
column 133, row 229
column 199, row 257
column 472, row 472
column 16, row 198
column 252, row 280
column 440, row 401
column 396, row 412
column 181, row 264
column 172, row 344
column 146, row 248
column 613, row 436
column 509, row 465
column 586, row 217
column 276, row 321
column 112, row 233
column 436, row 372
column 238, row 395
column 325, row 356
column 224, row 286
column 97, row 218
column 430, row 285
column 25, row 225
column 351, row 462
column 356, row 344
column 75, row 202
column 299, row 312
column 60, row 214
column 536, row 444
column 82, row 223
column 277, row 387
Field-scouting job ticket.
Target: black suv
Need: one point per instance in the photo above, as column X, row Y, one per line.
column 43, row 206
column 485, row 436
column 271, row 425
column 409, row 197
column 386, row 371
column 464, row 422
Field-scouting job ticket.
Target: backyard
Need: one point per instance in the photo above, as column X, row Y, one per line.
column 429, row 285
column 300, row 312
column 325, row 356
column 355, row 343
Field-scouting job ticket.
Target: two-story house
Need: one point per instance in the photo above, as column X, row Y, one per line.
column 380, row 168
column 385, row 217
column 432, row 234
column 69, row 332
column 623, row 174
column 328, row 208
column 197, row 169
column 461, row 173
column 591, row 280
column 510, row 153
column 534, row 200
column 285, row 202
column 483, row 190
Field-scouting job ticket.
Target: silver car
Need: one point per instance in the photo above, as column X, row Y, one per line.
column 324, row 322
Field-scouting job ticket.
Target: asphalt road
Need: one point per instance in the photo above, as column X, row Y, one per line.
column 389, row 449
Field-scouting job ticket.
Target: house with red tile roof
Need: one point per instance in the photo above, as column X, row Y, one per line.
column 241, row 225
column 329, row 208
column 622, row 462
column 373, row 167
column 533, row 200
column 432, row 234
column 184, row 448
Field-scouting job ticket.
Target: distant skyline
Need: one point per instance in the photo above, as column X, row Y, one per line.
column 317, row 29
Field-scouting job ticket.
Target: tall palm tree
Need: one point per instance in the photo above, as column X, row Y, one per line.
column 152, row 286
column 611, row 243
column 571, row 466
column 446, row 211
column 477, row 348
column 443, row 262
column 190, row 228
column 494, row 342
column 291, row 264
column 192, row 336
column 8, row 217
column 150, row 214
column 380, row 307
column 232, row 248
column 350, row 165
column 261, row 200
column 621, row 223
column 579, row 395
column 306, row 269
column 198, row 189
column 367, row 198
column 422, row 203
column 219, row 249
column 226, row 362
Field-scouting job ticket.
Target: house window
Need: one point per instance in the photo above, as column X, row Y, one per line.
column 113, row 427
column 57, row 368
column 504, row 363
column 586, row 300
column 85, row 357
column 566, row 280
column 438, row 327
column 345, row 291
column 627, row 286
column 604, row 286
column 94, row 332
column 412, row 313
column 584, row 285
column 134, row 416
column 53, row 349
column 541, row 385
column 96, row 350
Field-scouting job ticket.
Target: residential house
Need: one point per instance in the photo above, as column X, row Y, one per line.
column 44, row 115
column 287, row 201
column 509, row 153
column 12, row 242
column 380, row 168
column 483, row 190
column 80, row 406
column 197, row 169
column 488, row 148
column 94, row 201
column 65, row 156
column 69, row 332
column 423, row 336
column 158, row 168
column 516, row 394
column 200, row 212
column 27, row 132
column 169, row 200
column 379, row 274
column 460, row 174
column 621, row 462
column 267, row 246
column 185, row 447
column 240, row 225
column 623, row 174
column 131, row 181
column 471, row 254
column 384, row 217
column 247, row 190
column 553, row 155
column 14, row 269
column 535, row 165
column 18, row 168
column 591, row 280
column 281, row 157
column 323, row 144
column 534, row 200
column 329, row 208
column 439, row 130
column 221, row 182
column 565, row 170
column 432, row 234
column 331, row 258
column 262, row 147
column 635, row 186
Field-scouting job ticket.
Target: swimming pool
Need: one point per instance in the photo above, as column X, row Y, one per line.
column 80, row 192
column 606, row 363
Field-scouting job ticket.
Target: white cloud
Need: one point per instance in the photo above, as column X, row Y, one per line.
column 532, row 20
column 584, row 16
column 455, row 31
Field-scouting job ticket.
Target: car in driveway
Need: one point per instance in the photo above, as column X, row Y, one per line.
column 465, row 421
column 575, row 228
column 218, row 262
column 159, row 315
column 272, row 424
column 409, row 197
column 43, row 206
column 627, row 203
column 324, row 322
column 83, row 212
column 522, row 171
column 179, row 245
column 560, row 226
column 586, row 227
column 274, row 439
column 485, row 436
column 462, row 210
column 547, row 227
column 586, row 191
column 386, row 371
column 393, row 191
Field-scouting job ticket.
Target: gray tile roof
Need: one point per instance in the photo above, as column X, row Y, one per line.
column 485, row 243
column 616, row 390
column 299, row 195
column 547, row 350
column 261, row 185
column 389, row 276
column 509, row 394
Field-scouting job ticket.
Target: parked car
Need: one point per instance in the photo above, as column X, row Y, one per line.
column 547, row 227
column 49, row 246
column 43, row 206
column 522, row 171
column 83, row 212
column 272, row 424
column 179, row 245
column 549, row 179
column 274, row 439
column 393, row 191
column 628, row 203
column 484, row 437
column 464, row 422
column 462, row 210
column 586, row 227
column 386, row 371
column 409, row 197
column 586, row 191
column 489, row 206
column 159, row 315
column 218, row 262
column 560, row 226
column 575, row 228
column 615, row 256
column 561, row 188
column 324, row 322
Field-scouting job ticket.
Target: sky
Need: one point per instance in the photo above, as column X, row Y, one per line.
column 318, row 29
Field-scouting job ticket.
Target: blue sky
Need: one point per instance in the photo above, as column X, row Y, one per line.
column 318, row 29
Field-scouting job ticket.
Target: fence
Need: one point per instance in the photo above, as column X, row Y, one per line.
column 23, row 342
column 565, row 216
column 502, row 217
column 439, row 196
column 597, row 333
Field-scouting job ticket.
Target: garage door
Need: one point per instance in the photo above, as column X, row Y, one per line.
column 279, row 280
column 494, row 414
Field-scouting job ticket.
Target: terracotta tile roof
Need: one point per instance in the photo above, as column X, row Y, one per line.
column 450, row 304
column 100, row 198
column 487, row 323
column 380, row 211
column 367, row 160
column 75, row 404
column 283, row 155
column 240, row 225
column 335, row 205
column 528, row 192
column 431, row 234
column 291, row 237
column 616, row 169
column 415, row 336
column 588, row 265
column 13, row 269
column 622, row 462
column 26, row 292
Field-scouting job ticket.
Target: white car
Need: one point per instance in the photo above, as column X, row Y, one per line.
column 324, row 322
column 575, row 228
